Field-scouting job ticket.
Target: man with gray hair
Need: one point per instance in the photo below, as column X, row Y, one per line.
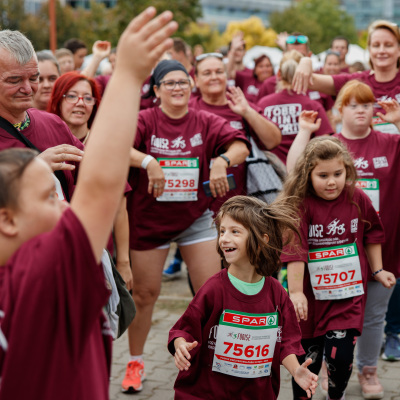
column 23, row 126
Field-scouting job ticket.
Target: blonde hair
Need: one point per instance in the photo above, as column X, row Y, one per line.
column 279, row 220
column 387, row 25
column 287, row 69
column 298, row 184
column 356, row 89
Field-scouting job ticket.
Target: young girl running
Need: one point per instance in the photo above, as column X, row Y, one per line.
column 341, row 232
column 241, row 325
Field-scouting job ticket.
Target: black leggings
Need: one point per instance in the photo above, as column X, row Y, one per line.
column 338, row 347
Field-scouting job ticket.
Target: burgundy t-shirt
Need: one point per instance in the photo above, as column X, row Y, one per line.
column 52, row 293
column 329, row 223
column 284, row 109
column 377, row 156
column 267, row 87
column 102, row 82
column 200, row 322
column 198, row 134
column 45, row 130
column 249, row 84
column 382, row 90
column 236, row 122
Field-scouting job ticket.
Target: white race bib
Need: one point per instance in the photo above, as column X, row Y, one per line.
column 181, row 179
column 382, row 126
column 335, row 272
column 245, row 344
column 371, row 189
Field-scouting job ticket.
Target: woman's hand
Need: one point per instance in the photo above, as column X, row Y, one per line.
column 124, row 269
column 57, row 156
column 303, row 76
column 237, row 101
column 386, row 278
column 101, row 49
column 309, row 122
column 392, row 108
column 156, row 178
column 218, row 181
column 305, row 378
column 300, row 304
column 182, row 355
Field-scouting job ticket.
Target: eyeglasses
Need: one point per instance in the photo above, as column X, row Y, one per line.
column 203, row 56
column 170, row 85
column 73, row 99
column 365, row 106
column 294, row 39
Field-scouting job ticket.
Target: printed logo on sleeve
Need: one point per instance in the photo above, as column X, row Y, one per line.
column 380, row 162
column 236, row 125
column 252, row 90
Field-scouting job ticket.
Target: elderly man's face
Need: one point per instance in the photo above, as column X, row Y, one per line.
column 18, row 85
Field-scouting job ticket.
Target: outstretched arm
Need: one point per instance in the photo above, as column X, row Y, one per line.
column 101, row 49
column 104, row 167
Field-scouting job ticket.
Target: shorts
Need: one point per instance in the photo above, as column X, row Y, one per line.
column 201, row 230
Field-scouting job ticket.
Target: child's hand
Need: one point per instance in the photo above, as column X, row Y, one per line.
column 308, row 121
column 143, row 42
column 300, row 303
column 386, row 278
column 305, row 378
column 392, row 108
column 181, row 356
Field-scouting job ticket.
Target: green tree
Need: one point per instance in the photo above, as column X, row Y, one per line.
column 12, row 12
column 320, row 20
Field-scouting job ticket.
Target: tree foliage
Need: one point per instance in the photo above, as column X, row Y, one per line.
column 320, row 20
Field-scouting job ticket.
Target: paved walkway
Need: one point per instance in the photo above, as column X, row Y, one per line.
column 161, row 371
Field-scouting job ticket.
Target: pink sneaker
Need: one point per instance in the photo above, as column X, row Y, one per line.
column 370, row 385
column 134, row 376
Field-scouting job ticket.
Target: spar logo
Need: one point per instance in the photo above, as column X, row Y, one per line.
column 249, row 320
column 178, row 163
column 332, row 253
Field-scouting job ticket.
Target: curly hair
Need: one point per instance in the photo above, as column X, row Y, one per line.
column 278, row 220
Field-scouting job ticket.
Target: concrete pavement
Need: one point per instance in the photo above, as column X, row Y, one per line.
column 161, row 371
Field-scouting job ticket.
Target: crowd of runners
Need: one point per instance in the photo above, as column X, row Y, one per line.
column 157, row 150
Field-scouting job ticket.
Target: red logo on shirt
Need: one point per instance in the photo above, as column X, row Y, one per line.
column 244, row 319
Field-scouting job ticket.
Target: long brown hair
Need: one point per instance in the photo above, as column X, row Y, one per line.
column 278, row 220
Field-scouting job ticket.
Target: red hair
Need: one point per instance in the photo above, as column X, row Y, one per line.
column 62, row 86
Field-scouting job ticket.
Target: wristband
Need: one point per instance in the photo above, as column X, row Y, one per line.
column 376, row 272
column 225, row 158
column 146, row 161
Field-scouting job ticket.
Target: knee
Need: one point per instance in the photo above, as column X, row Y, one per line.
column 145, row 296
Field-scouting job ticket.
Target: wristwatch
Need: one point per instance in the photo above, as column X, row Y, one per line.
column 225, row 158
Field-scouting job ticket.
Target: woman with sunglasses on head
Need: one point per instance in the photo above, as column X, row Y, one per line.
column 174, row 146
column 284, row 107
column 76, row 99
column 383, row 78
column 377, row 161
column 231, row 104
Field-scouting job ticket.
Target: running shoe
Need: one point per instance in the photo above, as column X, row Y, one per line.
column 134, row 376
column 173, row 271
column 371, row 388
column 392, row 348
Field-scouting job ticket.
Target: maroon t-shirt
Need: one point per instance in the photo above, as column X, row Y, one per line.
column 45, row 130
column 52, row 294
column 249, row 84
column 382, row 90
column 200, row 322
column 198, row 134
column 102, row 82
column 267, row 87
column 236, row 122
column 284, row 109
column 329, row 223
column 377, row 156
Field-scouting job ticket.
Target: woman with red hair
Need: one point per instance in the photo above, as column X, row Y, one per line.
column 75, row 99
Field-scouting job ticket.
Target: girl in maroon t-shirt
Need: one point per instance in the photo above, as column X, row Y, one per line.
column 341, row 232
column 241, row 325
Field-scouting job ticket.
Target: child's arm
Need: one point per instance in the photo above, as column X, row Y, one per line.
column 295, row 277
column 182, row 355
column 374, row 254
column 301, row 374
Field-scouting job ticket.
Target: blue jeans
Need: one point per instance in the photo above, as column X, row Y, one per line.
column 393, row 312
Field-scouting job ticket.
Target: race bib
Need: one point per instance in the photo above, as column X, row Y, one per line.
column 382, row 126
column 371, row 188
column 245, row 344
column 335, row 272
column 181, row 179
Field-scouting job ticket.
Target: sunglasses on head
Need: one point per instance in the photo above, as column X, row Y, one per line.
column 300, row 39
column 206, row 55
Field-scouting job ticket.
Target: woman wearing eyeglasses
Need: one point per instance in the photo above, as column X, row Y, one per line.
column 377, row 161
column 384, row 77
column 174, row 146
